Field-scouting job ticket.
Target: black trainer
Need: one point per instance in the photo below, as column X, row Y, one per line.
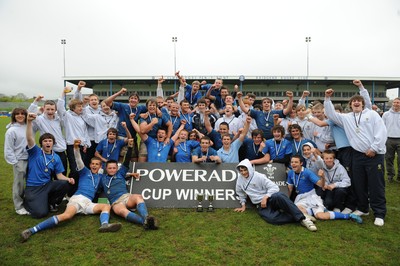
column 150, row 223
column 25, row 235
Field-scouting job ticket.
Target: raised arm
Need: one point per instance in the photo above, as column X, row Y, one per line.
column 79, row 162
column 330, row 109
column 289, row 106
column 160, row 92
column 241, row 103
column 136, row 127
column 29, row 131
column 78, row 93
column 364, row 93
column 245, row 129
column 110, row 99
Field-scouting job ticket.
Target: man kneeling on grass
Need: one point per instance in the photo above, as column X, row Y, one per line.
column 273, row 206
column 81, row 201
column 121, row 200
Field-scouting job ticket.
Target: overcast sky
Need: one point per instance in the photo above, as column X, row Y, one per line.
column 357, row 38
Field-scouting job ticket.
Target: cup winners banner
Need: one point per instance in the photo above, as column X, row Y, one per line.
column 178, row 185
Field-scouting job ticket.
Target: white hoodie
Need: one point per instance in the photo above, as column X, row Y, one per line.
column 256, row 186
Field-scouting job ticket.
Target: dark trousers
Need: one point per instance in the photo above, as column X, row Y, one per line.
column 280, row 210
column 37, row 199
column 368, row 175
column 392, row 147
column 73, row 173
column 345, row 157
column 333, row 198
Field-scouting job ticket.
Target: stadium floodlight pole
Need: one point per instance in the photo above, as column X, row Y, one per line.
column 308, row 40
column 174, row 40
column 64, row 42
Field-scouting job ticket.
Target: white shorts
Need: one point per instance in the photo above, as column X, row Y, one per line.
column 311, row 202
column 123, row 199
column 82, row 204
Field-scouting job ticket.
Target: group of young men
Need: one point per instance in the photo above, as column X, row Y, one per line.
column 220, row 127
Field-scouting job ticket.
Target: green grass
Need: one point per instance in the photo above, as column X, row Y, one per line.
column 186, row 237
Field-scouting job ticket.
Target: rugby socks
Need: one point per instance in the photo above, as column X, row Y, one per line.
column 104, row 218
column 339, row 216
column 134, row 218
column 142, row 210
column 46, row 224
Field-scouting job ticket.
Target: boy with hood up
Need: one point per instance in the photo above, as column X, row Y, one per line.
column 273, row 206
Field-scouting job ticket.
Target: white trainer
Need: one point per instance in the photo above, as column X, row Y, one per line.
column 22, row 212
column 309, row 225
column 347, row 211
column 310, row 217
column 379, row 222
column 336, row 210
column 360, row 213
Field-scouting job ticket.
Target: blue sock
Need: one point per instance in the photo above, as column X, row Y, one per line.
column 104, row 217
column 46, row 224
column 142, row 209
column 134, row 218
column 340, row 216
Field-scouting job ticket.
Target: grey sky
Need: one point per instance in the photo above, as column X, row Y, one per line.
column 357, row 38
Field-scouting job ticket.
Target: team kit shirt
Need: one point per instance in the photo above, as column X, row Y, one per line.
column 41, row 166
column 185, row 151
column 210, row 152
column 163, row 120
column 114, row 186
column 110, row 151
column 277, row 150
column 124, row 110
column 303, row 181
column 265, row 120
column 88, row 183
column 157, row 152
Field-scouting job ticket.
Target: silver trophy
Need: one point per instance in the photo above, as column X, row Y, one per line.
column 200, row 198
column 210, row 206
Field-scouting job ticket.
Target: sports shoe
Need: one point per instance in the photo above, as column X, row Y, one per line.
column 309, row 225
column 22, row 212
column 150, row 223
column 310, row 217
column 336, row 210
column 360, row 213
column 104, row 228
column 355, row 218
column 53, row 208
column 347, row 211
column 25, row 235
column 379, row 222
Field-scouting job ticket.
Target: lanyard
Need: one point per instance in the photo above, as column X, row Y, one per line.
column 267, row 119
column 298, row 179
column 186, row 118
column 160, row 147
column 355, row 120
column 248, row 183
column 112, row 149
column 254, row 148
column 109, row 182
column 205, row 154
column 170, row 118
column 277, row 150
column 229, row 121
column 184, row 147
column 330, row 178
column 94, row 185
column 297, row 147
column 45, row 159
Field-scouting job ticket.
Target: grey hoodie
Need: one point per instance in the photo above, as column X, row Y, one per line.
column 256, row 186
column 337, row 175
